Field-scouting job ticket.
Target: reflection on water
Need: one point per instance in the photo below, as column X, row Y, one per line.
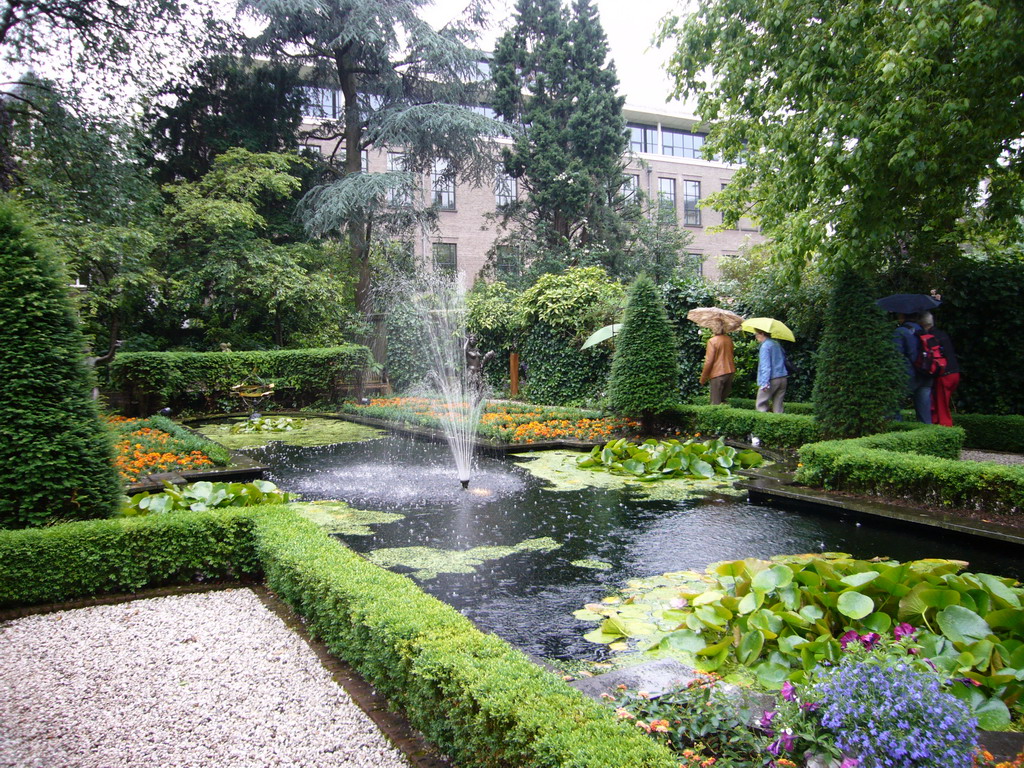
column 528, row 597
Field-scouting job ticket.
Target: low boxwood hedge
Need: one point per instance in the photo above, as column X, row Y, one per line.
column 992, row 433
column 777, row 430
column 478, row 699
column 915, row 464
column 749, row 403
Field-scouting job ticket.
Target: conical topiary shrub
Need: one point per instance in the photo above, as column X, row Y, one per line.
column 645, row 371
column 56, row 456
column 860, row 378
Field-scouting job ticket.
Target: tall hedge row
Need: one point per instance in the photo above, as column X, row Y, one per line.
column 192, row 380
column 56, row 456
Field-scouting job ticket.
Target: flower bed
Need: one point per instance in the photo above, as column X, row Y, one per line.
column 504, row 422
column 147, row 446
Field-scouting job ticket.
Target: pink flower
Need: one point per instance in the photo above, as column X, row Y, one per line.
column 904, row 630
column 849, row 762
column 849, row 637
column 677, row 602
column 788, row 691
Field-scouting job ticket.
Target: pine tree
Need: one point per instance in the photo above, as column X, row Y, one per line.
column 552, row 77
column 860, row 378
column 645, row 372
column 56, row 457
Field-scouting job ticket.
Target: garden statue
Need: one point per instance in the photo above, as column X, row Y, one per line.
column 475, row 362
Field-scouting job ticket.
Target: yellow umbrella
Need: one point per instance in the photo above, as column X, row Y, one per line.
column 774, row 328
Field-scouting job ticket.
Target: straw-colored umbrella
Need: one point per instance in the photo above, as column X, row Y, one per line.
column 715, row 318
column 774, row 328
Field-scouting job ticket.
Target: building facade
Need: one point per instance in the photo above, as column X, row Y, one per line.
column 665, row 161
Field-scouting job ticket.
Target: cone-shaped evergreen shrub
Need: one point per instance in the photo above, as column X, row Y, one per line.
column 56, row 456
column 860, row 377
column 645, row 371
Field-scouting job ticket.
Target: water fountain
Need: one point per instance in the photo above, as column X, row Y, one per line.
column 455, row 376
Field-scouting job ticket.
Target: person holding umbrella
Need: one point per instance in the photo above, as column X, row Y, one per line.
column 772, row 373
column 907, row 308
column 719, row 362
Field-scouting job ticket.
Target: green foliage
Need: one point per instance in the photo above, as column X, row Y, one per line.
column 559, row 311
column 866, row 131
column 645, row 372
column 552, row 76
column 782, row 618
column 680, row 295
column 202, row 497
column 97, row 557
column 407, row 360
column 182, row 440
column 872, row 465
column 778, row 430
column 186, row 380
column 664, row 459
column 57, row 456
column 223, row 101
column 749, row 404
column 494, row 316
column 860, row 377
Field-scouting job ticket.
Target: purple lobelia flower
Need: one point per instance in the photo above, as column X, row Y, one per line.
column 788, row 691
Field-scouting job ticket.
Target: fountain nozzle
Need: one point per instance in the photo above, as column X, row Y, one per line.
column 465, row 483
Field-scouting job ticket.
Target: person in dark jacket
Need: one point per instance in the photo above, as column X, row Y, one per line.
column 919, row 385
column 944, row 385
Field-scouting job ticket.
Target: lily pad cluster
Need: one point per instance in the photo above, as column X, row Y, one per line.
column 427, row 562
column 338, row 517
column 782, row 617
column 663, row 459
column 267, row 424
column 204, row 496
column 314, row 431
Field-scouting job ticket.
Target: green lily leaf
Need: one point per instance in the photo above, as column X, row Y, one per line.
column 750, row 647
column 683, row 640
column 859, row 579
column 854, row 605
column 962, row 625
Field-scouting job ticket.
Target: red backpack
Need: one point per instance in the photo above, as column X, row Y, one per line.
column 930, row 359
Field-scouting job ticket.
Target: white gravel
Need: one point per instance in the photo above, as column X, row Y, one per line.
column 204, row 680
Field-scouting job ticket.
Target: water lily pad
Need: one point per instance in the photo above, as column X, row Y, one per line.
column 427, row 562
column 598, row 565
column 560, row 470
column 339, row 517
column 314, row 431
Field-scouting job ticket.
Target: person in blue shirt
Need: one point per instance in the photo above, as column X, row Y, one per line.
column 771, row 373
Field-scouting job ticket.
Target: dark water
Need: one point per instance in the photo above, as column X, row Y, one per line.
column 528, row 598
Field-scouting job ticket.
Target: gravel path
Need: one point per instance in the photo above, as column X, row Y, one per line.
column 998, row 457
column 210, row 680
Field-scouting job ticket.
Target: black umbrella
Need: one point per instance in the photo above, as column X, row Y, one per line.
column 908, row 303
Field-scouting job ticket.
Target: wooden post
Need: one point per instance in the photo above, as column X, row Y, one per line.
column 513, row 372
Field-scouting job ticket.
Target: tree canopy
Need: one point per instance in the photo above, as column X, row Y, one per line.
column 403, row 85
column 552, row 77
column 867, row 130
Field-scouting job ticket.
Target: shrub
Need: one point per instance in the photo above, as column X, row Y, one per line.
column 407, row 357
column 203, row 380
column 993, row 433
column 777, row 430
column 645, row 372
column 680, row 296
column 749, row 403
column 56, row 455
column 860, row 378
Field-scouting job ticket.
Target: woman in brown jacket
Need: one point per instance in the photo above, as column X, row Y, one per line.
column 719, row 366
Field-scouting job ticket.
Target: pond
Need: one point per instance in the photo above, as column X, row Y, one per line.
column 545, row 553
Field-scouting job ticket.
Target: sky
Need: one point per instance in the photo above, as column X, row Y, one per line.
column 629, row 25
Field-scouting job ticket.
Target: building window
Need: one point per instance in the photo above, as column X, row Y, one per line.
column 667, row 197
column 631, row 188
column 399, row 194
column 691, row 203
column 443, row 186
column 681, row 143
column 506, row 190
column 364, row 158
column 693, row 265
column 322, row 103
column 445, row 258
column 643, row 138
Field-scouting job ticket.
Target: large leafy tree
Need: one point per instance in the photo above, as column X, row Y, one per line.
column 552, row 77
column 236, row 277
column 404, row 85
column 224, row 101
column 867, row 129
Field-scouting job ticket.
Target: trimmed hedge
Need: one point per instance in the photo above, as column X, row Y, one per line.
column 186, row 380
column 478, row 699
column 992, row 433
column 749, row 404
column 916, row 464
column 778, row 430
column 96, row 557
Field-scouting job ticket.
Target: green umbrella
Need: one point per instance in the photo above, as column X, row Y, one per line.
column 602, row 334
